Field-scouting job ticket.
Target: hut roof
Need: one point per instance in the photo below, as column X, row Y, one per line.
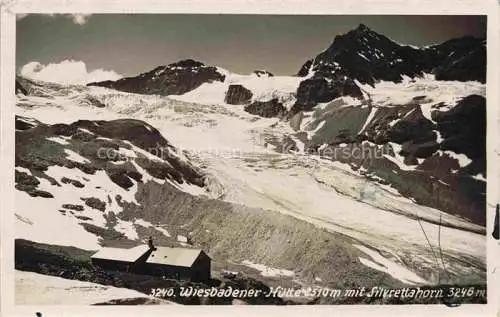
column 174, row 256
column 118, row 254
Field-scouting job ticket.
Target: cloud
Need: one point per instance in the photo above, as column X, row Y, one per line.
column 66, row 72
column 80, row 18
column 77, row 18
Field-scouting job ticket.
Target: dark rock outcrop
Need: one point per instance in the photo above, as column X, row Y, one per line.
column 238, row 95
column 20, row 89
column 104, row 233
column 73, row 207
column 414, row 127
column 379, row 128
column 429, row 184
column 92, row 101
column 461, row 59
column 367, row 56
column 25, row 124
column 320, row 89
column 173, row 79
column 29, row 184
column 463, row 128
column 266, row 109
column 95, row 203
column 73, row 182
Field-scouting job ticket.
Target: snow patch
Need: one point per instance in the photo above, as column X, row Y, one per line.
column 148, row 224
column 127, row 228
column 75, row 157
column 462, row 159
column 399, row 159
column 389, row 94
column 23, row 170
column 378, row 262
column 479, row 177
column 39, row 289
column 439, row 138
column 369, row 119
column 58, row 139
column 363, row 56
column 85, row 130
column 268, row 271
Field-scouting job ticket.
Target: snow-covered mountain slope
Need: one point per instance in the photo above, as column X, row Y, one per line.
column 240, row 154
column 231, row 90
column 408, row 126
column 426, row 138
column 85, row 172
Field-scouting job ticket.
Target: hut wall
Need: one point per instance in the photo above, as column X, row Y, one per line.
column 201, row 268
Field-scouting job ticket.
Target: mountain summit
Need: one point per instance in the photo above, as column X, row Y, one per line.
column 366, row 56
column 173, row 79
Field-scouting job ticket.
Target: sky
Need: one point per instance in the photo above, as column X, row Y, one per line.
column 115, row 45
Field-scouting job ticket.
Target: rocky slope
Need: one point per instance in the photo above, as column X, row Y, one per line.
column 84, row 172
column 437, row 158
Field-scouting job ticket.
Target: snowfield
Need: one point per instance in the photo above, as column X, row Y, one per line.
column 380, row 263
column 36, row 224
column 228, row 143
column 387, row 94
column 39, row 289
column 263, row 88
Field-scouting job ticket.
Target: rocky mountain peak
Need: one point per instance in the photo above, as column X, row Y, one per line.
column 362, row 29
column 174, row 79
column 187, row 63
column 365, row 56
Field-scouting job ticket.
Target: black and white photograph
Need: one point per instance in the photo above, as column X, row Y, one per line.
column 250, row 159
